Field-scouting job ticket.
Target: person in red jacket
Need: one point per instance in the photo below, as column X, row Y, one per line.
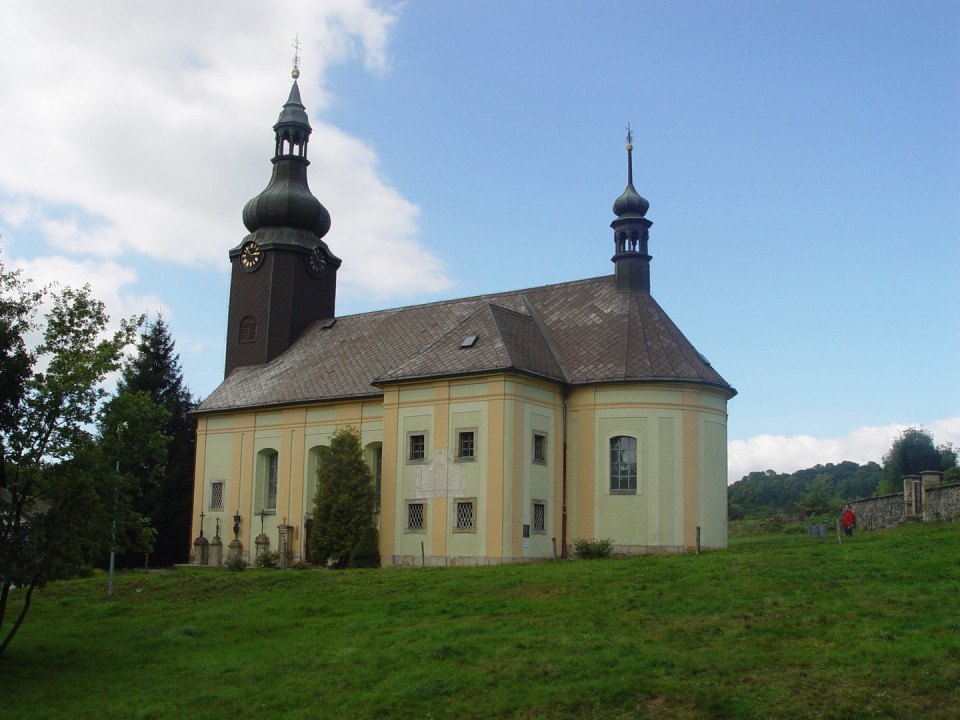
column 848, row 520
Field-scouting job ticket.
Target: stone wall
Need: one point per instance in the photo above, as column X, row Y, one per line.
column 874, row 513
column 942, row 503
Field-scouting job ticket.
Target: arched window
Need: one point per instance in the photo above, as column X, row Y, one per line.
column 268, row 462
column 374, row 458
column 313, row 465
column 248, row 329
column 623, row 465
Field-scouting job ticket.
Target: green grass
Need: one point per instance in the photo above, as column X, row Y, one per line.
column 775, row 627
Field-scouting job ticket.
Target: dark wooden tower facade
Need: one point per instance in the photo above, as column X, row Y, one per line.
column 283, row 275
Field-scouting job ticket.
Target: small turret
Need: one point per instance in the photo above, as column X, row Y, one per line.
column 631, row 231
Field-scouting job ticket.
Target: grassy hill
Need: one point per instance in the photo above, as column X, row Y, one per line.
column 775, row 627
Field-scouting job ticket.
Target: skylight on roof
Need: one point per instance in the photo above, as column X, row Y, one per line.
column 469, row 341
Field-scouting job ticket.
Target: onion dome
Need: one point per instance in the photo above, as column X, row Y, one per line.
column 630, row 204
column 287, row 202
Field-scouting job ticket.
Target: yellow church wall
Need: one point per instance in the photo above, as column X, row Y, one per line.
column 498, row 459
column 230, row 447
column 681, row 433
column 681, row 467
column 713, row 494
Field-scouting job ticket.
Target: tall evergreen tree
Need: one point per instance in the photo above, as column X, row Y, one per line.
column 155, row 370
column 345, row 500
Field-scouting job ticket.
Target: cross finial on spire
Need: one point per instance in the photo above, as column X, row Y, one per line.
column 629, row 137
column 296, row 57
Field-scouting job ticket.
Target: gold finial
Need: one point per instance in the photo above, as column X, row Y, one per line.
column 296, row 57
column 629, row 138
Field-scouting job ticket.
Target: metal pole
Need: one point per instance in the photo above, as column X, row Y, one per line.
column 113, row 540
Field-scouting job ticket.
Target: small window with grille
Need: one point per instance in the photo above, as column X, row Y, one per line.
column 467, row 444
column 248, row 329
column 538, row 525
column 416, row 517
column 540, row 448
column 416, row 447
column 216, row 494
column 465, row 515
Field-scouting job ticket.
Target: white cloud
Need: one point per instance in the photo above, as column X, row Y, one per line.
column 787, row 454
column 109, row 281
column 145, row 127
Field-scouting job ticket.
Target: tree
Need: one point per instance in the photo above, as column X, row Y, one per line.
column 818, row 499
column 912, row 452
column 168, row 499
column 345, row 499
column 55, row 490
column 132, row 442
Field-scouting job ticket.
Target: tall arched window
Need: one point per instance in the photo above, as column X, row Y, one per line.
column 313, row 466
column 623, row 465
column 374, row 458
column 268, row 462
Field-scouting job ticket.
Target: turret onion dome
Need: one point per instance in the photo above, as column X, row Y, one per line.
column 287, row 202
column 630, row 204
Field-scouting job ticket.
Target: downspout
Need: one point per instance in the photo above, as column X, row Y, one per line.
column 563, row 480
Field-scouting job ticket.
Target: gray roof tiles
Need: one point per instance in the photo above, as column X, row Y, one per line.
column 575, row 333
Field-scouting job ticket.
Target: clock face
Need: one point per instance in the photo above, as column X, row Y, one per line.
column 250, row 256
column 317, row 261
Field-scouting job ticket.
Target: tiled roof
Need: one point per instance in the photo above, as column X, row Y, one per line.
column 576, row 333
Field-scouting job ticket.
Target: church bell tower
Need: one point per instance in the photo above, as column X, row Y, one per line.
column 631, row 232
column 283, row 275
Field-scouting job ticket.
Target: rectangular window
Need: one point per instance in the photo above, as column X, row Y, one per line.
column 465, row 515
column 540, row 448
column 216, row 494
column 539, row 518
column 623, row 465
column 416, row 517
column 272, row 464
column 416, row 447
column 467, row 444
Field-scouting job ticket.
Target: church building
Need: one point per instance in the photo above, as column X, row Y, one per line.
column 499, row 428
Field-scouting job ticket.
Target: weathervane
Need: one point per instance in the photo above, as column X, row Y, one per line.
column 629, row 137
column 296, row 57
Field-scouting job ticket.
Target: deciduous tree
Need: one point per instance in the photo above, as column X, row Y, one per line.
column 54, row 487
column 912, row 452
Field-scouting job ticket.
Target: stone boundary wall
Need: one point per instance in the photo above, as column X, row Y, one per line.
column 873, row 513
column 942, row 503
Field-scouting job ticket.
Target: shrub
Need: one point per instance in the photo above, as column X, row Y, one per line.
column 268, row 560
column 366, row 553
column 592, row 549
column 301, row 565
column 236, row 563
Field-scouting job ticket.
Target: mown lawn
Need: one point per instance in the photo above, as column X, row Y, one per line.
column 774, row 627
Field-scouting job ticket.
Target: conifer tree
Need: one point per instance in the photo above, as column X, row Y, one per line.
column 155, row 370
column 345, row 499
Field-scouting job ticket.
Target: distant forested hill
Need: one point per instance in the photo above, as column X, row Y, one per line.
column 764, row 493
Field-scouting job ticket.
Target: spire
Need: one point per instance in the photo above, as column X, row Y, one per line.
column 630, row 203
column 630, row 234
column 287, row 202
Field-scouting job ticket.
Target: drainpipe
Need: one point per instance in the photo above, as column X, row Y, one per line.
column 563, row 480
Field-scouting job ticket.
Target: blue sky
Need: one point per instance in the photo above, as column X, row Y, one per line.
column 801, row 160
